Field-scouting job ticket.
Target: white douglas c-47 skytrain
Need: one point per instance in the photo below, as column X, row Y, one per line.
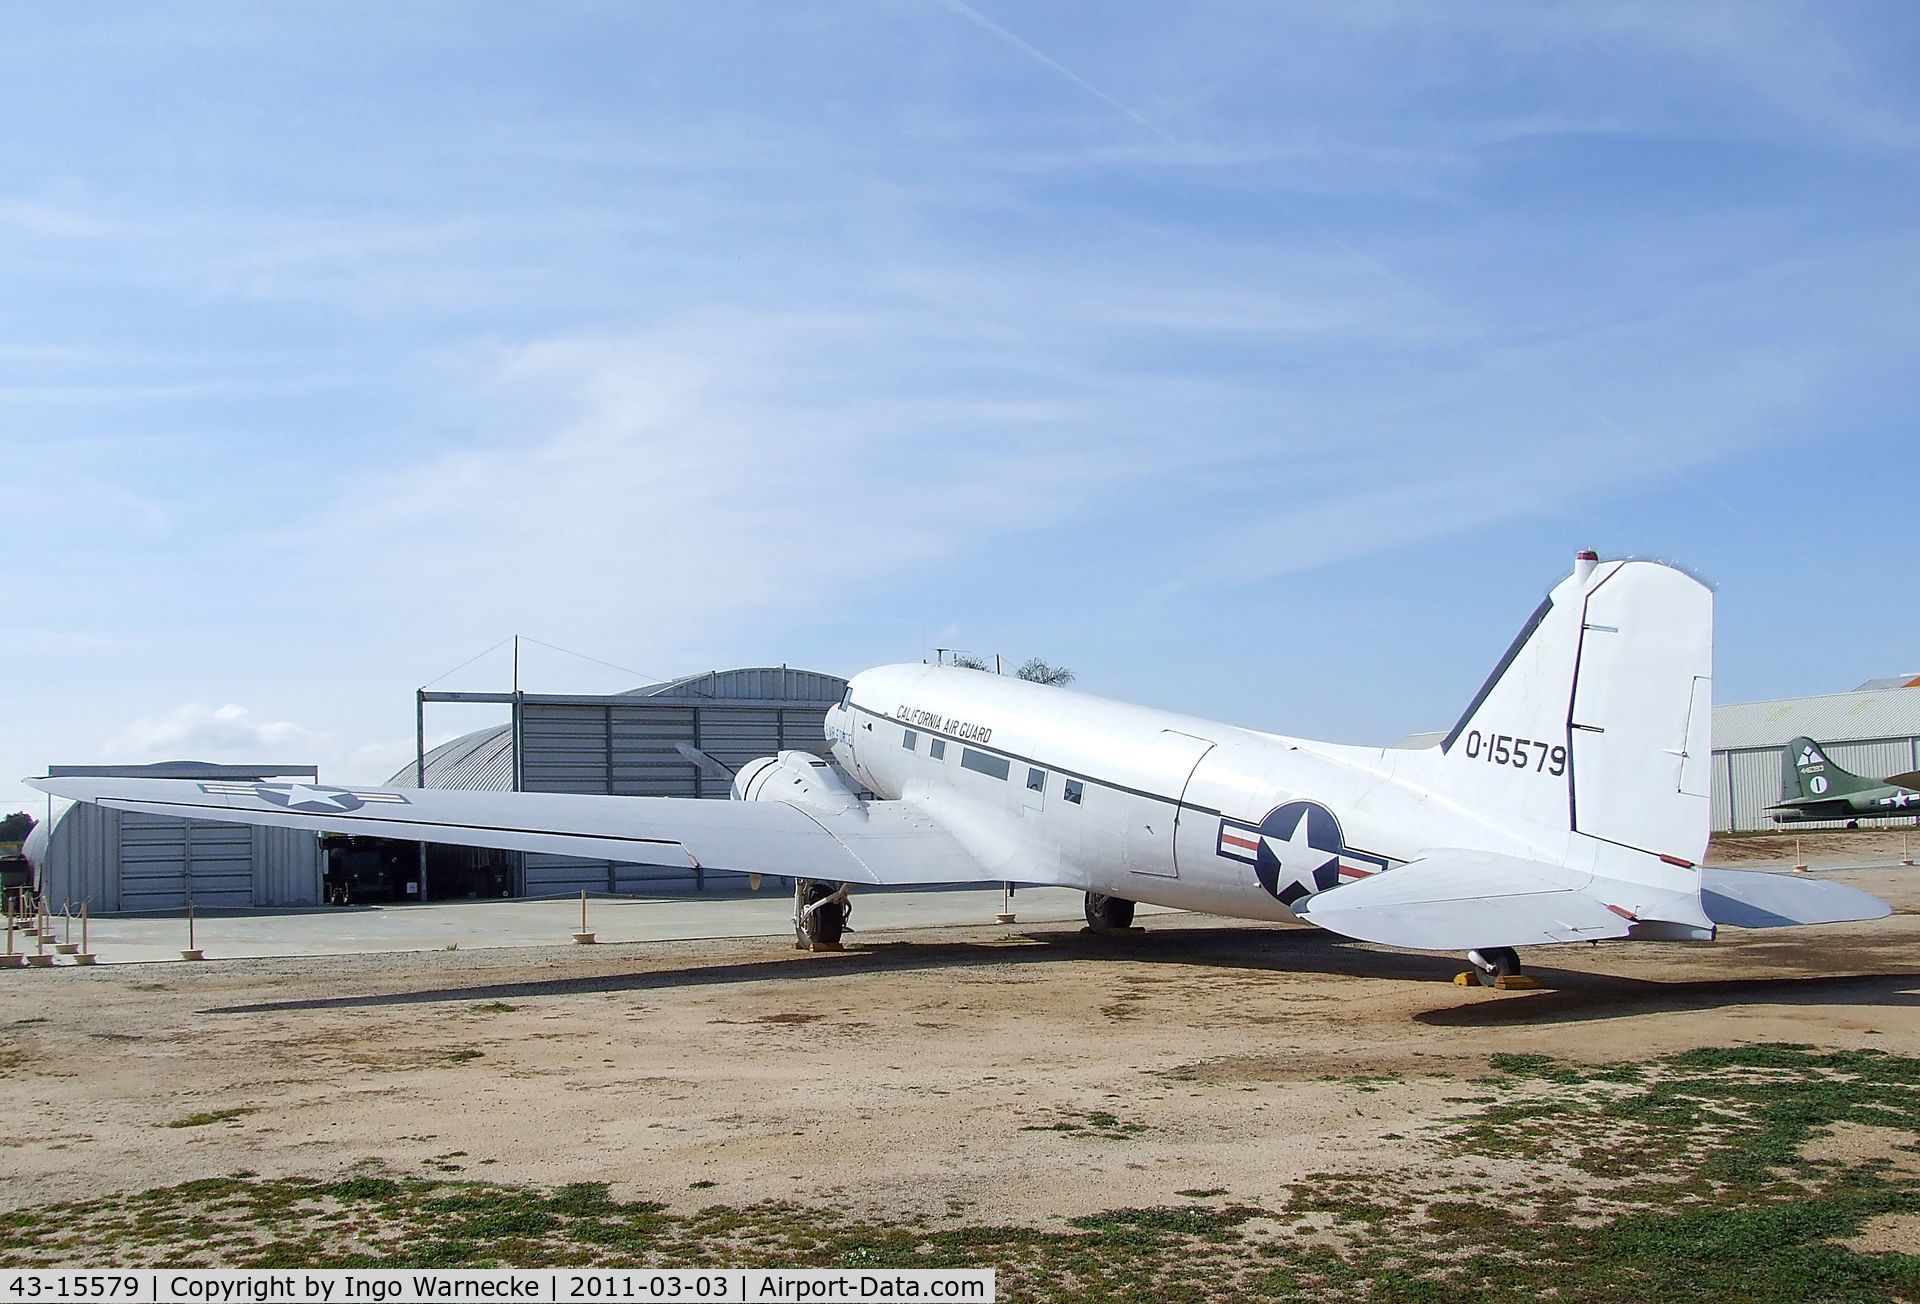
column 1569, row 804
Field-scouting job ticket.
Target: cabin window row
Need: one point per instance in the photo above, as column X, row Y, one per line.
column 936, row 747
column 994, row 767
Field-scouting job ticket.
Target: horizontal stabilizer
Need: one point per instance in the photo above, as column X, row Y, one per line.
column 1462, row 900
column 875, row 843
column 1746, row 898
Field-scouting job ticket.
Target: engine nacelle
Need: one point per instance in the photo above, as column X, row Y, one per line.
column 799, row 777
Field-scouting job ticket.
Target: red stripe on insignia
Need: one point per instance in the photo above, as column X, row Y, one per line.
column 1240, row 842
column 1357, row 873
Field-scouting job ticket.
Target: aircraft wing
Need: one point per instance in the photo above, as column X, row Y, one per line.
column 875, row 843
column 1460, row 900
column 1748, row 898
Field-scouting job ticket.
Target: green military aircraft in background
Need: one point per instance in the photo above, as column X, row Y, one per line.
column 1814, row 788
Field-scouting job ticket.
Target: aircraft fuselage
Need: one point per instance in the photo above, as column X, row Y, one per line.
column 1143, row 804
column 1885, row 802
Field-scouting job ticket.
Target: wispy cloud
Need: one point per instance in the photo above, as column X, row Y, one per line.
column 233, row 734
column 334, row 350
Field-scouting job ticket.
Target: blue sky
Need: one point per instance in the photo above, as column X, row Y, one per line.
column 1262, row 361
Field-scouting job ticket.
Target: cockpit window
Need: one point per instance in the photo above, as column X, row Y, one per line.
column 846, row 699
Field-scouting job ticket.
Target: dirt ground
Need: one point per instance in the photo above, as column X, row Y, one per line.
column 993, row 1074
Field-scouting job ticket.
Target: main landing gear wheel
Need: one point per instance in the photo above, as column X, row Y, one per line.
column 1492, row 963
column 820, row 913
column 1108, row 914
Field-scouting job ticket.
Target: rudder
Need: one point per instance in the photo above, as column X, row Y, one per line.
column 1597, row 719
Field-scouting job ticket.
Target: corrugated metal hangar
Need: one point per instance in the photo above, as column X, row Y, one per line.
column 1873, row 731
column 113, row 861
column 679, row 739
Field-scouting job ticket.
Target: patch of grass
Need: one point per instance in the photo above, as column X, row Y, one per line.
column 1094, row 1123
column 210, row 1117
column 495, row 1007
column 1680, row 1178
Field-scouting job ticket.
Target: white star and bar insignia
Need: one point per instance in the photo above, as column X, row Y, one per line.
column 307, row 798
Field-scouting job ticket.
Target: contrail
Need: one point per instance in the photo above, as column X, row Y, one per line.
column 979, row 19
column 986, row 24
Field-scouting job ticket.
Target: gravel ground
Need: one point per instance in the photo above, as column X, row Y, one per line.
column 958, row 1072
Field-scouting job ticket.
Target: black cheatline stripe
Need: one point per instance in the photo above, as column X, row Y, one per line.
column 1052, row 769
column 1486, row 689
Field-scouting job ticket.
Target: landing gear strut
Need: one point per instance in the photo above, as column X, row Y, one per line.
column 820, row 913
column 1492, row 963
column 1108, row 914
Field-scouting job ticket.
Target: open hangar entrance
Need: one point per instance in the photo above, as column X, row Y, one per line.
column 381, row 871
column 685, row 738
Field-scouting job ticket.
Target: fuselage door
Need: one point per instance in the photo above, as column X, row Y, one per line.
column 1153, row 821
column 1037, row 782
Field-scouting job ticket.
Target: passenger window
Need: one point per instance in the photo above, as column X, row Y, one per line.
column 994, row 767
column 1036, row 780
column 909, row 740
column 938, row 748
column 1075, row 790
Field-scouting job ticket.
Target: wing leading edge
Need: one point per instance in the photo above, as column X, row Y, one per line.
column 878, row 843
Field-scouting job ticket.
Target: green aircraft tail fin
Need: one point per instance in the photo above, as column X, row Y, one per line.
column 1807, row 774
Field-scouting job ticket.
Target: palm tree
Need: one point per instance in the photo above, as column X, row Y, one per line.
column 1037, row 671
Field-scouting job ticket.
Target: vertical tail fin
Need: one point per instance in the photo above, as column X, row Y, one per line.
column 1807, row 774
column 1597, row 719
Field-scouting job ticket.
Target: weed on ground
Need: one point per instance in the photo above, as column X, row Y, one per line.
column 1681, row 1178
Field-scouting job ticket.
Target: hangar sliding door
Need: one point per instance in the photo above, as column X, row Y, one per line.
column 165, row 861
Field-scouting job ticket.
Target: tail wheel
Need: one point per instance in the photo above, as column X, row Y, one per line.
column 1492, row 963
column 1106, row 914
column 822, row 919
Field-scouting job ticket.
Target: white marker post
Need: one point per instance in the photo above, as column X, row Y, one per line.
column 40, row 959
column 583, row 937
column 83, row 955
column 192, row 952
column 1006, row 905
column 66, row 946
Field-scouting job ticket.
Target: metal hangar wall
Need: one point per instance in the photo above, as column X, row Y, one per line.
column 685, row 738
column 115, row 861
column 1873, row 731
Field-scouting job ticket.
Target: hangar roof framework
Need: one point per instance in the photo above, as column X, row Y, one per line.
column 493, row 758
